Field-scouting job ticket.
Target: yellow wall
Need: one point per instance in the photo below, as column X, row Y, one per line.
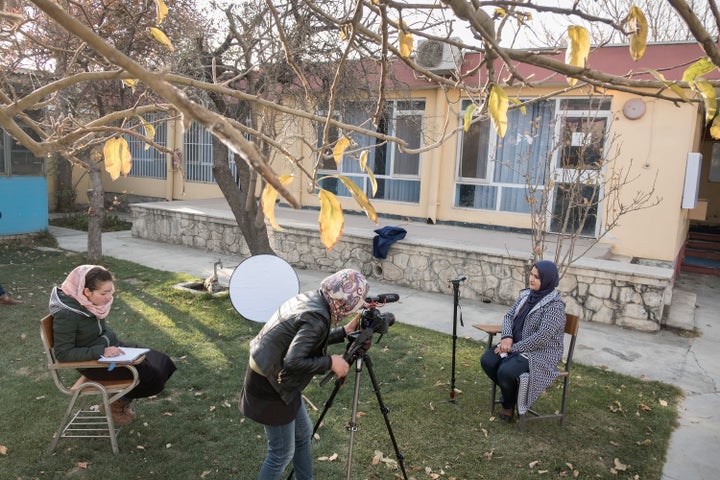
column 656, row 144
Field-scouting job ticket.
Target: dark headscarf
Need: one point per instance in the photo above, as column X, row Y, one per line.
column 549, row 279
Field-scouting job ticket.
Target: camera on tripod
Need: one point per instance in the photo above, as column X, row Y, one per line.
column 373, row 319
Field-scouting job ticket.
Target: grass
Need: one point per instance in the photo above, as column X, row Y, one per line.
column 79, row 221
column 194, row 430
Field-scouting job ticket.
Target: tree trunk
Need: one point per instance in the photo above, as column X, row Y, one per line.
column 96, row 215
column 65, row 188
column 240, row 197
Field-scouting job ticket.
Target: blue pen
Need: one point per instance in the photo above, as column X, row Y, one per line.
column 111, row 367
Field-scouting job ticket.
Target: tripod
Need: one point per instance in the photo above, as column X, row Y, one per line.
column 357, row 353
column 456, row 306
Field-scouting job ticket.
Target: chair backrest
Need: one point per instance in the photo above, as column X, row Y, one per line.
column 572, row 325
column 48, row 338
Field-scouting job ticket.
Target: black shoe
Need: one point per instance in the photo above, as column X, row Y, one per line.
column 505, row 417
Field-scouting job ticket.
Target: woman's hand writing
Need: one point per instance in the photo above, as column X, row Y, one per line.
column 112, row 352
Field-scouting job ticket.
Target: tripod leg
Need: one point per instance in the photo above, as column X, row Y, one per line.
column 352, row 425
column 385, row 411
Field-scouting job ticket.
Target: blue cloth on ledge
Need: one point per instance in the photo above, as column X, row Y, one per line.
column 385, row 237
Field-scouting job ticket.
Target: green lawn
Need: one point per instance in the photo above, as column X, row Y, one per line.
column 195, row 431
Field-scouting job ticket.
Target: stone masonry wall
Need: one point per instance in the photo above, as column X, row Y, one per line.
column 627, row 295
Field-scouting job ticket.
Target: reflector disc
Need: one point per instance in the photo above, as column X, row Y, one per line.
column 260, row 284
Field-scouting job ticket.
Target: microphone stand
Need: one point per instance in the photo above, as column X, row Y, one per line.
column 456, row 303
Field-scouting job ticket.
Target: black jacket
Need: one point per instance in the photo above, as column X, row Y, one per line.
column 291, row 347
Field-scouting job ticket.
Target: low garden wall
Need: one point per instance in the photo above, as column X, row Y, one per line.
column 604, row 291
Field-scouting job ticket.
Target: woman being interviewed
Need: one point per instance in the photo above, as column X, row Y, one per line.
column 532, row 341
column 79, row 308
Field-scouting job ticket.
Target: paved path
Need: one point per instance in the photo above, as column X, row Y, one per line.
column 689, row 363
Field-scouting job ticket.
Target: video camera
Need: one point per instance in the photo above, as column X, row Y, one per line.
column 372, row 318
column 371, row 322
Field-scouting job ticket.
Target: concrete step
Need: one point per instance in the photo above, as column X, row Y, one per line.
column 681, row 313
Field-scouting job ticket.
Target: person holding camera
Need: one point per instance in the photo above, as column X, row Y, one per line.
column 285, row 355
column 532, row 340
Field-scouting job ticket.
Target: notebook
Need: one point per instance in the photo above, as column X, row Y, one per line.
column 130, row 355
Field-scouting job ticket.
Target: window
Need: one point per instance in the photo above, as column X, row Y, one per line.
column 561, row 139
column 397, row 173
column 149, row 162
column 199, row 155
column 15, row 159
column 492, row 172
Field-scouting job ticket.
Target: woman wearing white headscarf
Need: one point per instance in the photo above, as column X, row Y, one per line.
column 284, row 357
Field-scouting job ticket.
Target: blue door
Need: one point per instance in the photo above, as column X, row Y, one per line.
column 23, row 189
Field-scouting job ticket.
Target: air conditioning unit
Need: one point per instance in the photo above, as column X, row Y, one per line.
column 438, row 57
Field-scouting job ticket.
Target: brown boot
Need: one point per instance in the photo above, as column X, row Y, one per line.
column 122, row 414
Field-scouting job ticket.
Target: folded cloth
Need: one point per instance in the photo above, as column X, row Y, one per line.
column 385, row 237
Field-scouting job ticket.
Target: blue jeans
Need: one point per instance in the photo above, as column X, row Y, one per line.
column 289, row 442
column 505, row 372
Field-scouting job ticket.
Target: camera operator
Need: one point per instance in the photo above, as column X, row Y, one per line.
column 286, row 354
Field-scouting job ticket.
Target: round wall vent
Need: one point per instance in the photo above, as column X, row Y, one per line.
column 634, row 108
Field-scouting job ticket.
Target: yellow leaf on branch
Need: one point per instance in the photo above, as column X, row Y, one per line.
column 118, row 159
column 160, row 36
column 497, row 108
column 161, row 11
column 406, row 43
column 467, row 118
column 331, row 219
column 340, row 148
column 698, row 69
column 707, row 91
column 359, row 197
column 578, row 49
column 638, row 25
column 149, row 130
column 268, row 198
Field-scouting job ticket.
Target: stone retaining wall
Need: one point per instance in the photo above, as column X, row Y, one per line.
column 603, row 291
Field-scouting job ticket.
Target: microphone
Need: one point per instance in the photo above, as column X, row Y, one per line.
column 459, row 279
column 383, row 298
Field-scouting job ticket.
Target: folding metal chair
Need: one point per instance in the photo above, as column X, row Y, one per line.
column 85, row 422
column 572, row 325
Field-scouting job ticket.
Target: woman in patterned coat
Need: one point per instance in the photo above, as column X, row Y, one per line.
column 532, row 341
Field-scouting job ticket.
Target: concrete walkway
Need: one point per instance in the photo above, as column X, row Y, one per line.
column 689, row 363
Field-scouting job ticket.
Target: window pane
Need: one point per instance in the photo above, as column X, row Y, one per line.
column 578, row 205
column 514, row 200
column 583, row 141
column 22, row 160
column 409, row 129
column 521, row 155
column 476, row 196
column 397, row 190
column 474, row 154
column 327, row 161
column 591, row 103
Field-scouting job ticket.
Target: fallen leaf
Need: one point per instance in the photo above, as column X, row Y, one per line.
column 533, row 464
column 83, row 465
column 485, row 433
column 619, row 465
column 140, row 447
column 3, row 450
column 663, row 403
column 168, row 445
